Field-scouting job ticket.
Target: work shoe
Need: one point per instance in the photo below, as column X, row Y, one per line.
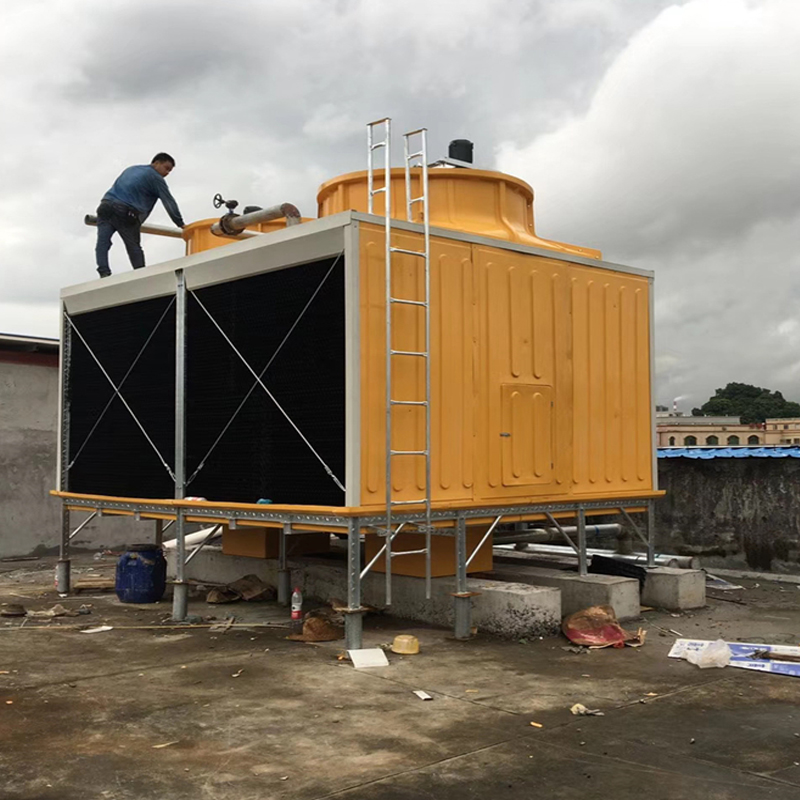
column 104, row 273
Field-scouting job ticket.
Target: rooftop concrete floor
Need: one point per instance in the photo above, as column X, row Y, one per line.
column 87, row 711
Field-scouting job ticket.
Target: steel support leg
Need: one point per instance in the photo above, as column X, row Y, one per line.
column 180, row 596
column 583, row 562
column 353, row 620
column 159, row 532
column 284, row 574
column 462, row 599
column 651, row 533
column 63, row 566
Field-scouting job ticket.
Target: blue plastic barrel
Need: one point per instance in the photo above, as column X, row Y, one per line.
column 141, row 574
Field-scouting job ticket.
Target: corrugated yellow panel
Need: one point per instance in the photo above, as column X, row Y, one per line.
column 452, row 333
column 540, row 375
column 612, row 433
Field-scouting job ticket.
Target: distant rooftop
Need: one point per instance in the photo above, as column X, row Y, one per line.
column 28, row 344
column 706, row 453
column 688, row 420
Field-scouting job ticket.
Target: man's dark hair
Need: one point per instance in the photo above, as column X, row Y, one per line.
column 163, row 157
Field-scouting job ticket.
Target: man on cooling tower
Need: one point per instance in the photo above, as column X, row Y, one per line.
column 128, row 203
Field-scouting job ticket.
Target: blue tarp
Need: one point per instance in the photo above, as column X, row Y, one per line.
column 729, row 452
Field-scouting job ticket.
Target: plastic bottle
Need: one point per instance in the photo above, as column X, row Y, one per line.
column 297, row 604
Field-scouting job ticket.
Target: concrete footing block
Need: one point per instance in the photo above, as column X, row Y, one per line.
column 674, row 589
column 503, row 608
column 577, row 592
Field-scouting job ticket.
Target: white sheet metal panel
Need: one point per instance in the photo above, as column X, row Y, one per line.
column 297, row 244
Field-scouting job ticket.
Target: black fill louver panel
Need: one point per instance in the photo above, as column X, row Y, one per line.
column 117, row 459
column 261, row 455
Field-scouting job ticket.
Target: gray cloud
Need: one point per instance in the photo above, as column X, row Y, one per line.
column 662, row 132
column 686, row 162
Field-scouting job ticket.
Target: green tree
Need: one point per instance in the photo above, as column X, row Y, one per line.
column 751, row 403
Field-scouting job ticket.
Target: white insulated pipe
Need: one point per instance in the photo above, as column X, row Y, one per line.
column 234, row 224
column 682, row 562
column 535, row 534
column 158, row 230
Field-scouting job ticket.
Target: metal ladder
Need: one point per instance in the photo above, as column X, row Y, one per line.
column 410, row 156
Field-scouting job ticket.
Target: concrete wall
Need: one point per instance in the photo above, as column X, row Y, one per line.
column 739, row 512
column 30, row 520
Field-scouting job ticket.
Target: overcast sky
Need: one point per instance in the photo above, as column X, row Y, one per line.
column 666, row 134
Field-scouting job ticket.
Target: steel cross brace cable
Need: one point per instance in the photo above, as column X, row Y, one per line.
column 263, row 371
column 269, row 393
column 117, row 393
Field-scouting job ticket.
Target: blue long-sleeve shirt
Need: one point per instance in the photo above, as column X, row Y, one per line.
column 140, row 187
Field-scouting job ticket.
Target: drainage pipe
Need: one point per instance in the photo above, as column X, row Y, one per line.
column 234, row 224
column 682, row 562
column 554, row 535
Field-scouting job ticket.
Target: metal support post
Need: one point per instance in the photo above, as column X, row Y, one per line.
column 63, row 565
column 462, row 598
column 159, row 532
column 651, row 533
column 353, row 620
column 180, row 598
column 284, row 574
column 583, row 564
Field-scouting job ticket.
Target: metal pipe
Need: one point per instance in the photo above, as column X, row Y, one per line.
column 354, row 618
column 664, row 560
column 234, row 224
column 284, row 575
column 534, row 534
column 156, row 230
column 82, row 525
column 180, row 597
column 462, row 600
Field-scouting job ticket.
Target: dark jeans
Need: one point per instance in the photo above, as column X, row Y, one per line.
column 117, row 218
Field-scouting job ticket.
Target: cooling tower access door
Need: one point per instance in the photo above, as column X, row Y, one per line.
column 524, row 376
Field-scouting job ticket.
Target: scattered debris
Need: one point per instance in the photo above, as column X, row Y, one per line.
column 537, row 725
column 715, row 582
column 727, row 599
column 222, row 627
column 580, row 710
column 571, row 648
column 99, row 629
column 166, row 744
column 12, row 610
column 320, row 625
column 9, row 702
column 405, row 644
column 93, row 583
column 597, row 627
column 8, row 559
column 237, row 674
column 251, row 587
column 774, row 658
column 422, row 695
column 223, row 594
column 59, row 611
column 472, row 691
column 368, row 657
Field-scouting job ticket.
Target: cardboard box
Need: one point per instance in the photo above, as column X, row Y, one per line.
column 443, row 553
column 264, row 543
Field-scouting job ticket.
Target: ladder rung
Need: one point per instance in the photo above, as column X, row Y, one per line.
column 415, row 155
column 385, row 119
column 409, row 452
column 417, row 200
column 402, row 301
column 378, row 191
column 413, row 133
column 408, row 552
column 408, row 353
column 376, row 146
column 421, row 502
column 409, row 402
column 421, row 254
